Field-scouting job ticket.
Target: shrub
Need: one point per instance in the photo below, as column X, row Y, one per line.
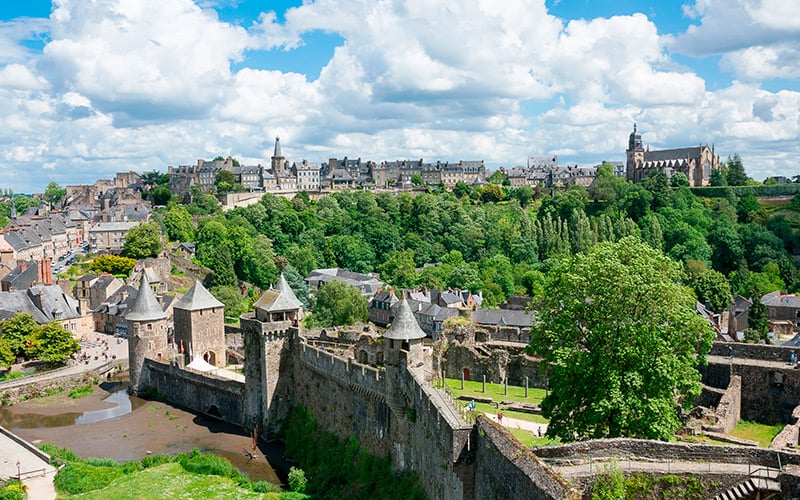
column 81, row 391
column 77, row 477
column 101, row 462
column 12, row 490
column 156, row 460
column 610, row 485
column 297, row 480
column 210, row 465
column 58, row 453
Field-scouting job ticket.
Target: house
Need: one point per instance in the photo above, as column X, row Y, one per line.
column 109, row 237
column 367, row 284
column 380, row 307
column 93, row 290
column 782, row 306
column 47, row 303
column 738, row 314
column 28, row 274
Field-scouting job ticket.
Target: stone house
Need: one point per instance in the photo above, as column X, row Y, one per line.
column 47, row 303
column 782, row 306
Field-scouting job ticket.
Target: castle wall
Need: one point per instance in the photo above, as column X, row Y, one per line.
column 660, row 450
column 203, row 393
column 346, row 398
column 505, row 469
column 769, row 394
column 496, row 365
column 753, row 351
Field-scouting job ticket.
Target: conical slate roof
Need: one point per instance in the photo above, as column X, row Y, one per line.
column 198, row 298
column 280, row 298
column 278, row 152
column 404, row 326
column 146, row 306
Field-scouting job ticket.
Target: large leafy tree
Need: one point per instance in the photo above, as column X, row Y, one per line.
column 339, row 304
column 53, row 343
column 18, row 332
column 178, row 224
column 143, row 241
column 734, row 171
column 619, row 332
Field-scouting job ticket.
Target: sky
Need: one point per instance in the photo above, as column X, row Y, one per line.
column 93, row 87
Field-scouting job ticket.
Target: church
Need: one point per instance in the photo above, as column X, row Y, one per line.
column 696, row 162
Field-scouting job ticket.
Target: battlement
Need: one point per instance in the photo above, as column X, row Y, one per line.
column 346, row 371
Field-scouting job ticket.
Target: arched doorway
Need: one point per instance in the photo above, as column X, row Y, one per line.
column 210, row 357
column 362, row 357
column 466, row 373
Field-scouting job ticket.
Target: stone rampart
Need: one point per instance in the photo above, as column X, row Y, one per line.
column 489, row 333
column 659, row 450
column 203, row 393
column 754, row 351
column 440, row 444
column 349, row 373
column 21, row 389
column 506, row 469
column 789, row 435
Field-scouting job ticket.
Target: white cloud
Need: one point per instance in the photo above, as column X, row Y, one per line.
column 140, row 84
column 145, row 59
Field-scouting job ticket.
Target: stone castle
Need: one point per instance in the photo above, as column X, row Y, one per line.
column 395, row 410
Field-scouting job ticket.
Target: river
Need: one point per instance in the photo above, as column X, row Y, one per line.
column 110, row 423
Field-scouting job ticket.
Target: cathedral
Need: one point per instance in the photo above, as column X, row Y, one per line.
column 696, row 162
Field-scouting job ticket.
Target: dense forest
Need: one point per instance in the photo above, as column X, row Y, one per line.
column 498, row 239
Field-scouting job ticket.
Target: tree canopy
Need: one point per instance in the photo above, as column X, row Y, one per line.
column 143, row 241
column 54, row 193
column 619, row 331
column 112, row 264
column 22, row 336
column 338, row 304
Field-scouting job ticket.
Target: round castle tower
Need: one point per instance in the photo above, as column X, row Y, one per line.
column 147, row 333
column 406, row 335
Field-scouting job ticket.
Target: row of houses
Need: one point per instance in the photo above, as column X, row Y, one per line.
column 282, row 175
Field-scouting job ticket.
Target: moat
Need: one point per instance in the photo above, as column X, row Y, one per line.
column 110, row 423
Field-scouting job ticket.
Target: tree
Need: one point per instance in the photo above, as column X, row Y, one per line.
column 416, row 180
column 229, row 296
column 222, row 267
column 734, row 171
column 622, row 340
column 143, row 241
column 296, row 283
column 717, row 178
column 178, row 224
column 678, row 179
column 113, row 264
column 18, row 332
column 339, row 304
column 399, row 270
column 713, row 289
column 53, row 344
column 161, row 195
column 54, row 193
column 224, row 180
column 758, row 324
column 7, row 357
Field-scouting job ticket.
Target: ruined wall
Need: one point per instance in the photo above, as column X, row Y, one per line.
column 14, row 391
column 729, row 408
column 495, row 363
column 788, row 437
column 769, row 393
column 505, row 469
column 203, row 393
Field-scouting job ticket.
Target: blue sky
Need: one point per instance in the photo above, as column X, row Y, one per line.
column 92, row 87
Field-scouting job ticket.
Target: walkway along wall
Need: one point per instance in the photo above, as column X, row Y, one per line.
column 203, row 393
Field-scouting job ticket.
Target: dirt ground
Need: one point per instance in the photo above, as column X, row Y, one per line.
column 152, row 427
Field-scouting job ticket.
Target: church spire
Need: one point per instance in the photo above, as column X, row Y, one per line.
column 278, row 152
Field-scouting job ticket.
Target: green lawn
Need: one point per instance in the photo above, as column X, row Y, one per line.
column 170, row 481
column 763, row 434
column 495, row 391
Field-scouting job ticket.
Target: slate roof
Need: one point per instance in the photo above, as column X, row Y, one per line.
column 280, row 298
column 671, row 154
column 146, row 306
column 777, row 299
column 44, row 302
column 197, row 298
column 23, row 276
column 502, row 317
column 404, row 326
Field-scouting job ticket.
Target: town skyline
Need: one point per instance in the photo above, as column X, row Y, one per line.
column 88, row 89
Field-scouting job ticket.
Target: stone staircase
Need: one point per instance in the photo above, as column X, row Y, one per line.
column 760, row 485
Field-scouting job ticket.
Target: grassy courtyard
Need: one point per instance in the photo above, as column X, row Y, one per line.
column 761, row 433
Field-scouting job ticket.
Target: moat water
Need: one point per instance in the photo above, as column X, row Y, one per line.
column 113, row 424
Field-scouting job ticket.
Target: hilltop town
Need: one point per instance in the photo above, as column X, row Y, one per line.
column 387, row 283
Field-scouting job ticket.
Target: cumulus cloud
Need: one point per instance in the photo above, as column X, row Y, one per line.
column 143, row 59
column 141, row 84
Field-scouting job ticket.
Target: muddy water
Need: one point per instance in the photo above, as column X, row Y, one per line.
column 109, row 423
